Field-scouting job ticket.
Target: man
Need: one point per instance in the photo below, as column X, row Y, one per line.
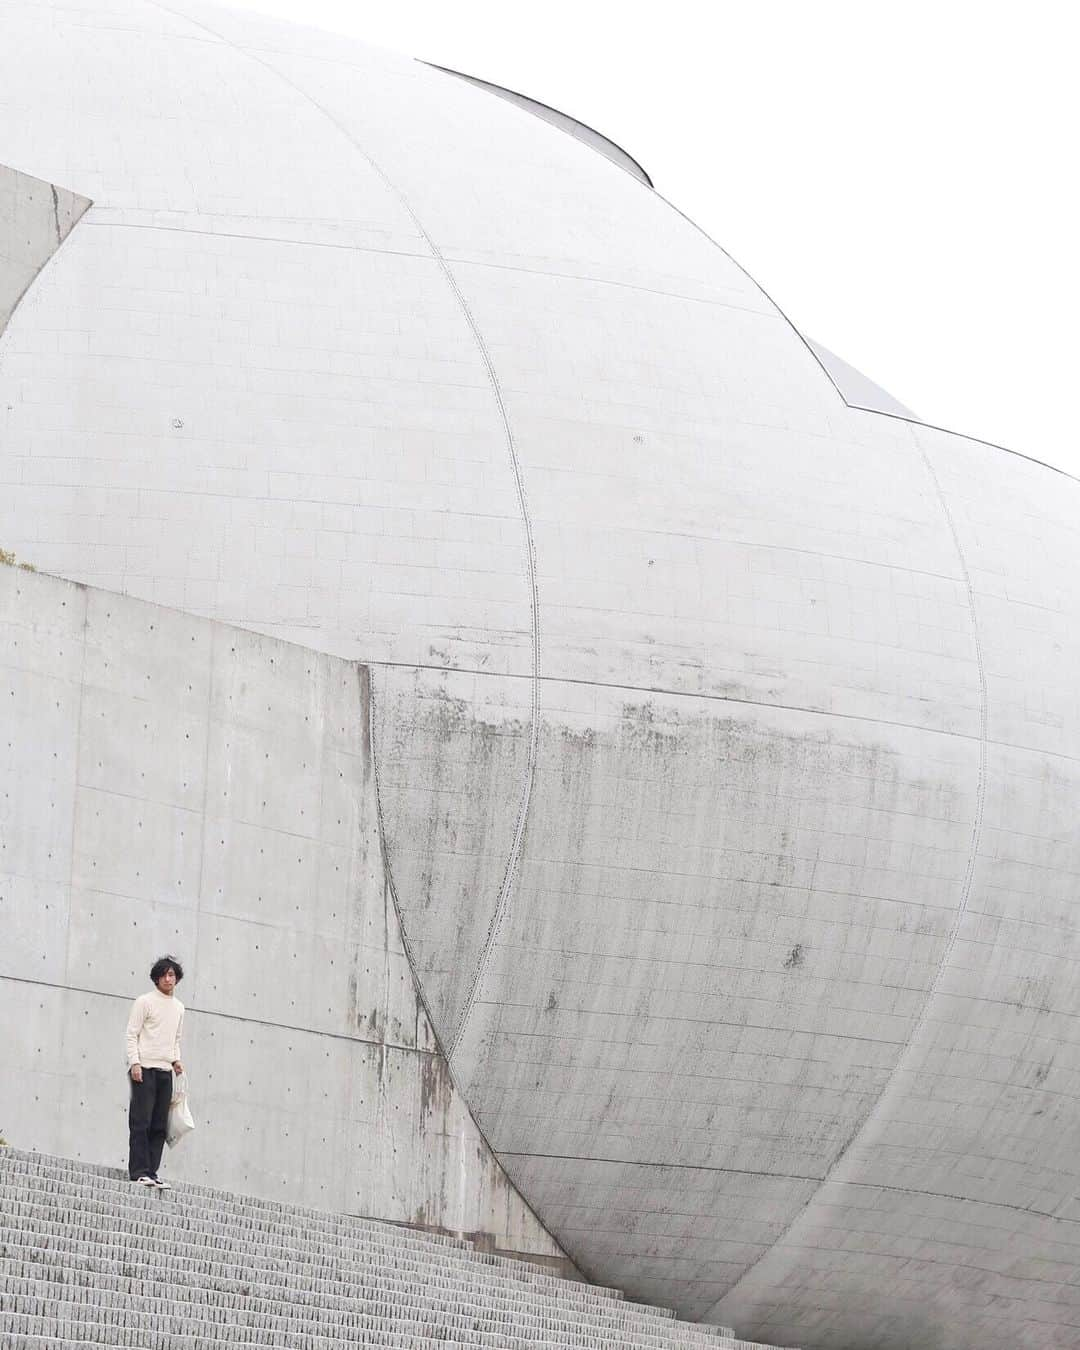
column 153, row 1056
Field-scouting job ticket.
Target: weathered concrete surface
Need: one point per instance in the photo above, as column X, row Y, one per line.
column 728, row 733
column 170, row 784
column 461, row 741
column 35, row 219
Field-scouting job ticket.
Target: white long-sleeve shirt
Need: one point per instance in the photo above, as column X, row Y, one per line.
column 153, row 1030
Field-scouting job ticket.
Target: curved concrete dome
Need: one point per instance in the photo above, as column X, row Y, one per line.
column 727, row 735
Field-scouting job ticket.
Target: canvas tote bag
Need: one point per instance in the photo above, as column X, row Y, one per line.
column 180, row 1119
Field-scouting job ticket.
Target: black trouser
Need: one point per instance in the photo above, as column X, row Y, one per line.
column 148, row 1119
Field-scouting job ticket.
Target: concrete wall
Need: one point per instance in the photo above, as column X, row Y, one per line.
column 170, row 784
column 727, row 734
column 35, row 219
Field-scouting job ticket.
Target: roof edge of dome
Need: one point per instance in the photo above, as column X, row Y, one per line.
column 571, row 126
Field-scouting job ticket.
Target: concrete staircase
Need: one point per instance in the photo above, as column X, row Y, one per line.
column 89, row 1259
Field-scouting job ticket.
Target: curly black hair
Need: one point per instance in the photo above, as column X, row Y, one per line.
column 164, row 963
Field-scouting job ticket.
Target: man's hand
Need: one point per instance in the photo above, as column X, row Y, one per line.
column 177, row 1067
column 136, row 1073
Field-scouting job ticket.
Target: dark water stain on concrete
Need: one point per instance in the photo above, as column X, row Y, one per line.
column 436, row 1088
column 363, row 675
column 366, row 1021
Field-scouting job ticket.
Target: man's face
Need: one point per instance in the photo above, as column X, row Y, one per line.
column 167, row 982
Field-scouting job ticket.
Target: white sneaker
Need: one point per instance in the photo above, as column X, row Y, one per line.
column 162, row 1185
column 145, row 1181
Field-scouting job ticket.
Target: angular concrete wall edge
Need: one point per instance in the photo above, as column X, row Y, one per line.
column 174, row 784
column 35, row 219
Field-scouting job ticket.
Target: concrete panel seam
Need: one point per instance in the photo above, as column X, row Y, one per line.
column 510, row 872
column 965, row 890
column 383, row 252
column 666, row 1166
column 82, row 592
column 580, row 682
column 193, row 1007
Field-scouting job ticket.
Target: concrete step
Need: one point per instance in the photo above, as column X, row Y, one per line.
column 113, row 1180
column 241, row 1209
column 66, row 1263
column 150, row 1213
column 115, row 1252
column 23, row 1254
column 83, row 1251
column 170, row 1205
column 160, row 1318
column 244, row 1217
column 149, row 1217
column 108, row 1290
column 51, row 1220
column 57, row 1328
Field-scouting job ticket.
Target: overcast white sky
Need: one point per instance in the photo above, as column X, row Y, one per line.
column 900, row 177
